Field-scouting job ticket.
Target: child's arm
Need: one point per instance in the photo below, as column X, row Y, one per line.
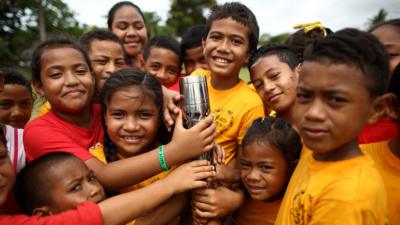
column 165, row 213
column 185, row 144
column 125, row 207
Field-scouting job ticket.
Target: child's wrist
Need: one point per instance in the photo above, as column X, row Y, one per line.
column 161, row 158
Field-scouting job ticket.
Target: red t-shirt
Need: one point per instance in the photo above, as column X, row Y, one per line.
column 50, row 133
column 382, row 130
column 87, row 213
column 175, row 87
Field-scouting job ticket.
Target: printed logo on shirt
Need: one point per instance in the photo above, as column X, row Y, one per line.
column 298, row 212
column 223, row 120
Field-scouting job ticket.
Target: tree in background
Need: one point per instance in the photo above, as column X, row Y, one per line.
column 19, row 27
column 266, row 39
column 378, row 18
column 186, row 13
column 153, row 25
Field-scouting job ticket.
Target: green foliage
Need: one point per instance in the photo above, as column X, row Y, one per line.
column 153, row 25
column 378, row 18
column 186, row 13
column 19, row 26
column 268, row 39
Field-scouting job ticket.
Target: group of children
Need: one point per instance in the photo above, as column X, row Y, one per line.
column 286, row 145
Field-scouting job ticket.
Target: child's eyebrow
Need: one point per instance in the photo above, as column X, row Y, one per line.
column 268, row 162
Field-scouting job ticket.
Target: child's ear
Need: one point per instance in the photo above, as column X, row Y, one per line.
column 42, row 211
column 203, row 44
column 37, row 85
column 141, row 62
column 297, row 69
column 384, row 106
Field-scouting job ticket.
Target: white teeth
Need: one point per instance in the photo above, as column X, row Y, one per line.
column 220, row 60
column 131, row 138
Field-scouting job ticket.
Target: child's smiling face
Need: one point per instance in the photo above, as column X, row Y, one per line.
column 106, row 58
column 132, row 120
column 16, row 103
column 129, row 26
column 164, row 64
column 226, row 47
column 65, row 80
column 275, row 82
column 264, row 171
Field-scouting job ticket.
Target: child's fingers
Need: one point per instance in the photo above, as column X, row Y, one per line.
column 198, row 163
column 176, row 100
column 199, row 184
column 208, row 129
column 178, row 121
column 203, row 207
column 205, row 123
column 204, row 168
column 198, row 220
column 200, row 192
column 203, row 197
column 204, row 214
column 219, row 154
column 204, row 175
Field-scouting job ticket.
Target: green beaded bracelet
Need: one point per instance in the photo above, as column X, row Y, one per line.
column 161, row 158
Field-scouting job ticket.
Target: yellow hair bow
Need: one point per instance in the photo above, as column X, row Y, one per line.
column 311, row 26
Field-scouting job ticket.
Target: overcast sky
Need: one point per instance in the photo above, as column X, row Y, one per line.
column 274, row 16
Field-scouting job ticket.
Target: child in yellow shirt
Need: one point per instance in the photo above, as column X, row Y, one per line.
column 231, row 37
column 340, row 85
column 269, row 154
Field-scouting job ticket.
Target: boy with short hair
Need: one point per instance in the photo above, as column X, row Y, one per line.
column 274, row 71
column 75, row 193
column 340, row 86
column 231, row 37
column 193, row 56
column 163, row 58
column 106, row 54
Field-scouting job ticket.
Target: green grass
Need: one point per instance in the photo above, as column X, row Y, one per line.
column 244, row 74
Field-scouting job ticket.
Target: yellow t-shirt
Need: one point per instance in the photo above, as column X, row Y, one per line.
column 234, row 110
column 342, row 192
column 98, row 152
column 256, row 212
column 45, row 108
column 388, row 166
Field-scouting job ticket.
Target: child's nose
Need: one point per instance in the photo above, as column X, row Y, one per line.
column 17, row 111
column 268, row 86
column 111, row 68
column 131, row 31
column 94, row 190
column 70, row 79
column 315, row 111
column 131, row 124
column 162, row 75
column 224, row 45
column 253, row 175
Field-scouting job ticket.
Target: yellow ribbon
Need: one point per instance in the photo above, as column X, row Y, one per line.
column 311, row 26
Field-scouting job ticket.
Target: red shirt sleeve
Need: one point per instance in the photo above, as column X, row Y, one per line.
column 87, row 213
column 41, row 138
